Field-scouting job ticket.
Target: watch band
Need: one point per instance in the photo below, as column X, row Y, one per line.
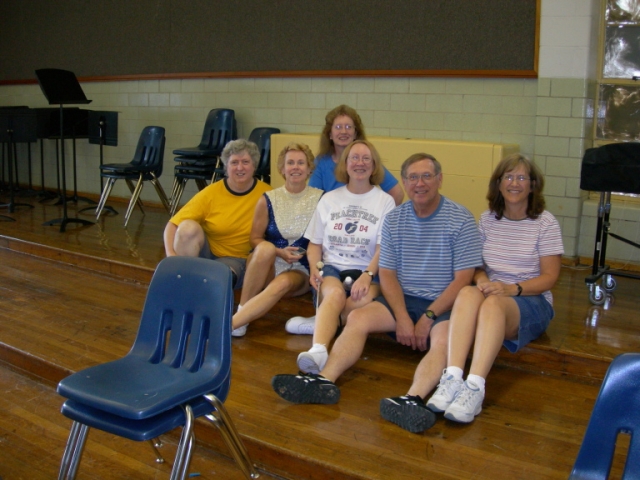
column 368, row 272
column 519, row 289
column 430, row 314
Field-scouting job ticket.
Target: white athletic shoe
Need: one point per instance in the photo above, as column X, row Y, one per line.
column 240, row 331
column 447, row 390
column 312, row 362
column 301, row 325
column 467, row 404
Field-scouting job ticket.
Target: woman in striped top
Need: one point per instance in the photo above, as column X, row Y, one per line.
column 511, row 302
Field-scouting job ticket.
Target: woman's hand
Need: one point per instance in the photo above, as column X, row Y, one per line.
column 497, row 288
column 315, row 278
column 360, row 287
column 290, row 254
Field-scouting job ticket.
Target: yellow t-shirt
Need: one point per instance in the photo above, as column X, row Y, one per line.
column 226, row 217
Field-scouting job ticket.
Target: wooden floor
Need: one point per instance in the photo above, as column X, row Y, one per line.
column 73, row 299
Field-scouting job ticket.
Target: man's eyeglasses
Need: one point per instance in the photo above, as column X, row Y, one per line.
column 414, row 178
column 510, row 178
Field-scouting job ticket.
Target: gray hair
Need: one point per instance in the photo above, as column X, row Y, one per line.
column 235, row 147
column 417, row 157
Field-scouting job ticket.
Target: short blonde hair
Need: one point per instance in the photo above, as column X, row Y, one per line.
column 295, row 147
column 378, row 170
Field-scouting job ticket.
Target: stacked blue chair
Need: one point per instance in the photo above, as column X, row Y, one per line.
column 178, row 369
column 146, row 166
column 617, row 410
column 199, row 163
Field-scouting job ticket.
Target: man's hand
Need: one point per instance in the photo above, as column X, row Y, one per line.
column 405, row 332
column 422, row 330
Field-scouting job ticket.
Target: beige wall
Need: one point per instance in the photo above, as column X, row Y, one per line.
column 545, row 117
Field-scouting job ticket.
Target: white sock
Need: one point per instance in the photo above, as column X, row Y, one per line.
column 456, row 372
column 476, row 380
column 318, row 348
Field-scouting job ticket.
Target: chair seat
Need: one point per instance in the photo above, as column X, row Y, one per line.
column 198, row 161
column 196, row 152
column 133, row 388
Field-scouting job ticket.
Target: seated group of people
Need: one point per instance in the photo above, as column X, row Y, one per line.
column 422, row 271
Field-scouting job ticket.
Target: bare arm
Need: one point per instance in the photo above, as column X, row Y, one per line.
column 260, row 222
column 549, row 273
column 393, row 294
column 397, row 193
column 360, row 287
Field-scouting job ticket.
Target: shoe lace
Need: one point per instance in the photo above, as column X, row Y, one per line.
column 467, row 397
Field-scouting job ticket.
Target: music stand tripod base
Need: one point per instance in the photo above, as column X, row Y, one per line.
column 64, row 221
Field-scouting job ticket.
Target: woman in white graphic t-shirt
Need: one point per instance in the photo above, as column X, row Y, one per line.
column 344, row 234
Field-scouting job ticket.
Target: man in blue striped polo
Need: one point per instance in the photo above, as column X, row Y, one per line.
column 429, row 250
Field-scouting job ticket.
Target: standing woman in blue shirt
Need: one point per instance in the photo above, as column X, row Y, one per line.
column 342, row 126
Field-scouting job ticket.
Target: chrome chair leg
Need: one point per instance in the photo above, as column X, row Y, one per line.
column 73, row 451
column 135, row 199
column 183, row 453
column 221, row 419
column 105, row 195
column 160, row 191
column 178, row 196
column 155, row 444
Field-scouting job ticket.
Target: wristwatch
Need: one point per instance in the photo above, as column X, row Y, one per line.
column 431, row 315
column 519, row 289
column 368, row 272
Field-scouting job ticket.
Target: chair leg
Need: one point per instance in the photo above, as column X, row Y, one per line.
column 202, row 184
column 178, row 196
column 73, row 451
column 105, row 195
column 185, row 447
column 155, row 444
column 163, row 196
column 221, row 419
column 135, row 199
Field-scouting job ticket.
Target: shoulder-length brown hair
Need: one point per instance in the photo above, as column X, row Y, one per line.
column 535, row 204
column 326, row 144
column 377, row 175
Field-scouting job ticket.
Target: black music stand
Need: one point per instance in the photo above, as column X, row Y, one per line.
column 103, row 130
column 61, row 87
column 15, row 127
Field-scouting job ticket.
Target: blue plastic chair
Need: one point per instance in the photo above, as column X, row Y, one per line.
column 146, row 166
column 178, row 368
column 617, row 410
column 262, row 137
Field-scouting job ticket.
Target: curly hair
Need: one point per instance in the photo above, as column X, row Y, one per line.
column 535, row 204
column 295, row 147
column 326, row 144
column 235, row 147
column 377, row 175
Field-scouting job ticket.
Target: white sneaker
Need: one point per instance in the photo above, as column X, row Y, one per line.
column 447, row 390
column 240, row 331
column 301, row 325
column 312, row 362
column 467, row 404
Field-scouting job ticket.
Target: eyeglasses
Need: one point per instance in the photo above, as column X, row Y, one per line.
column 414, row 178
column 345, row 127
column 510, row 178
column 357, row 158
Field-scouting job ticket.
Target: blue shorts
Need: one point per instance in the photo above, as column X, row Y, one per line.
column 237, row 265
column 416, row 307
column 535, row 314
column 331, row 271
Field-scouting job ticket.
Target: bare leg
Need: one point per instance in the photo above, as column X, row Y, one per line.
column 260, row 271
column 347, row 349
column 430, row 368
column 333, row 301
column 350, row 305
column 462, row 326
column 286, row 284
column 189, row 239
column 499, row 319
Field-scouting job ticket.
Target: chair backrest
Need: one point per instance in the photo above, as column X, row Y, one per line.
column 617, row 409
column 262, row 137
column 150, row 150
column 219, row 129
column 186, row 320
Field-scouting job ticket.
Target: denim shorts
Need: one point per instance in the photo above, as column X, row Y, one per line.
column 237, row 265
column 535, row 314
